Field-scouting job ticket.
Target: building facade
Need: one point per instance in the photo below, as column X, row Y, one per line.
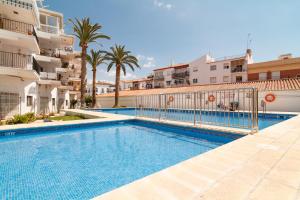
column 35, row 60
column 137, row 84
column 284, row 67
column 208, row 70
column 172, row 76
column 102, row 87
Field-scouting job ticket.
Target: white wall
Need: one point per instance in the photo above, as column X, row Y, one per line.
column 24, row 87
column 200, row 70
column 50, row 92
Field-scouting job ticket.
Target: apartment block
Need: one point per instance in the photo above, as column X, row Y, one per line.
column 208, row 70
column 36, row 59
column 172, row 76
column 284, row 67
column 102, row 87
column 137, row 84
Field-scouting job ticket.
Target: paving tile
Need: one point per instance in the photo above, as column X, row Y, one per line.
column 272, row 190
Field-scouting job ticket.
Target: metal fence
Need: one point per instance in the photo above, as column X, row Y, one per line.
column 15, row 60
column 9, row 104
column 237, row 108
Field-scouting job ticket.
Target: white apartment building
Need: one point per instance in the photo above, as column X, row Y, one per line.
column 102, row 87
column 36, row 59
column 172, row 76
column 207, row 70
column 137, row 84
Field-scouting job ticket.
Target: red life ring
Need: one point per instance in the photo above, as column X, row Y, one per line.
column 211, row 98
column 270, row 98
column 171, row 98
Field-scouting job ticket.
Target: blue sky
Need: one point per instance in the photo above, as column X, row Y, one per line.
column 178, row 31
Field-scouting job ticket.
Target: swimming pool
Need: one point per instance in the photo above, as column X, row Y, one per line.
column 83, row 161
column 264, row 120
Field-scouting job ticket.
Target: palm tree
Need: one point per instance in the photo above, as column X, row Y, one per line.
column 87, row 33
column 120, row 58
column 95, row 58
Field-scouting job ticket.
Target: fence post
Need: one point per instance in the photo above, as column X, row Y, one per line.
column 159, row 106
column 195, row 108
column 136, row 106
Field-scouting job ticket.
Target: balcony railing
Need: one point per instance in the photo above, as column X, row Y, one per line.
column 48, row 29
column 18, row 27
column 181, row 75
column 18, row 3
column 15, row 60
column 159, row 78
column 237, row 70
column 48, row 76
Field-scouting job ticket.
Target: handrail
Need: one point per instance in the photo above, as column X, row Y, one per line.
column 19, row 3
column 236, row 108
column 16, row 26
column 15, row 60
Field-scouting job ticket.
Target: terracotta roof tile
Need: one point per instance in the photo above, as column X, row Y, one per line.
column 269, row 85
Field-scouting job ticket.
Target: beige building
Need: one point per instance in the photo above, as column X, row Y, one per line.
column 37, row 60
column 284, row 67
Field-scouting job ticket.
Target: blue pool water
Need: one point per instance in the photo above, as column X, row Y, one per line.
column 264, row 120
column 83, row 161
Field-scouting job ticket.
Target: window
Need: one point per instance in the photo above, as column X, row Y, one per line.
column 52, row 21
column 43, row 19
column 276, row 75
column 225, row 78
column 213, row 67
column 239, row 79
column 102, row 90
column 263, row 76
column 168, row 83
column 213, row 79
column 195, row 80
column 195, row 69
column 67, row 102
column 29, row 100
column 226, row 65
column 53, row 101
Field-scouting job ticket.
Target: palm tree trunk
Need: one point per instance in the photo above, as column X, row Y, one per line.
column 83, row 75
column 118, row 74
column 94, row 86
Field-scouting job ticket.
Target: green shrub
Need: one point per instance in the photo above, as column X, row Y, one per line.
column 31, row 117
column 88, row 100
column 22, row 119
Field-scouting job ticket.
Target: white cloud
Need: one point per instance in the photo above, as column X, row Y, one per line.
column 146, row 61
column 163, row 5
column 129, row 75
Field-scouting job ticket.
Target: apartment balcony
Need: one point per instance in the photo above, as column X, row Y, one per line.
column 75, row 78
column 238, row 70
column 20, row 34
column 159, row 78
column 48, row 76
column 23, row 10
column 61, row 70
column 20, row 65
column 49, row 29
column 180, row 75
